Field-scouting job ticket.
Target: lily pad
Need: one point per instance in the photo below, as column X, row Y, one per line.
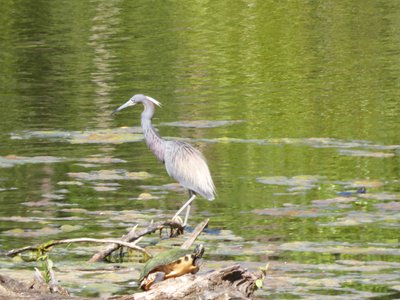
column 104, row 188
column 383, row 196
column 75, row 210
column 202, row 123
column 70, row 228
column 103, row 160
column 96, row 136
column 294, row 211
column 41, row 203
column 12, row 160
column 110, row 175
column 301, row 180
column 166, row 187
column 18, row 219
column 392, row 206
column 367, row 183
column 147, row 196
column 70, row 183
column 105, row 137
column 53, row 196
column 295, row 185
column 336, row 247
column 32, row 232
column 334, row 201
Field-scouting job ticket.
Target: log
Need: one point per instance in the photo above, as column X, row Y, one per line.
column 232, row 282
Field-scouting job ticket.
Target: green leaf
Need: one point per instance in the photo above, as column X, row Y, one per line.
column 259, row 283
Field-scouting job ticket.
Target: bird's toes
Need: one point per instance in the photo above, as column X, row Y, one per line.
column 178, row 220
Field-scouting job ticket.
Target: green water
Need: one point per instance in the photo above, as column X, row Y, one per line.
column 292, row 103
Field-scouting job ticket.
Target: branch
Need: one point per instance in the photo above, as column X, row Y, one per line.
column 132, row 235
column 48, row 245
column 196, row 232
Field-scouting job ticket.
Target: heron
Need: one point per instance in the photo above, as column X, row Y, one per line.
column 182, row 161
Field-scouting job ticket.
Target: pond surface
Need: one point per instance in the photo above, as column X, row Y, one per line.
column 295, row 105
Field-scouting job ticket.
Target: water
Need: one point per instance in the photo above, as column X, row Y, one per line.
column 291, row 103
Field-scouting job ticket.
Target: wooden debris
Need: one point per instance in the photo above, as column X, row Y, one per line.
column 232, row 282
column 129, row 240
column 131, row 236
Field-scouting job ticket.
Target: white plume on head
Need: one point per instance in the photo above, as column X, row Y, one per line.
column 154, row 101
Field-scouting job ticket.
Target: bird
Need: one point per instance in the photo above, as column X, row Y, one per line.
column 182, row 161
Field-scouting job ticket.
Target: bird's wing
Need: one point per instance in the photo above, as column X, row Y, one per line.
column 188, row 166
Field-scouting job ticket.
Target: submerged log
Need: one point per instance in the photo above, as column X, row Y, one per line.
column 232, row 282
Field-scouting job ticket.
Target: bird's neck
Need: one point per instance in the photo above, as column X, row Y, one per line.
column 153, row 140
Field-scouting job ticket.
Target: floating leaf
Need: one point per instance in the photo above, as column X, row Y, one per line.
column 259, row 283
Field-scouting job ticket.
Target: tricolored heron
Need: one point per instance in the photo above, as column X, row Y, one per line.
column 182, row 161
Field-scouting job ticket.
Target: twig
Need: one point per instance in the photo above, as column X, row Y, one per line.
column 196, row 232
column 77, row 240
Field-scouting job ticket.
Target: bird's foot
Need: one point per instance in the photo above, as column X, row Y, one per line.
column 177, row 226
column 177, row 220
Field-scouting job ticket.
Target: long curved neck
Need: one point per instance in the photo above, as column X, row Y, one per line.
column 153, row 140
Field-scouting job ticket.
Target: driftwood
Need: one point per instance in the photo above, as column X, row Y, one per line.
column 231, row 282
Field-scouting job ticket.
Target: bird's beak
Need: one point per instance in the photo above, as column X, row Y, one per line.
column 127, row 104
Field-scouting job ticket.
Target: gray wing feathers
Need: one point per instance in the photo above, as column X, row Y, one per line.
column 187, row 165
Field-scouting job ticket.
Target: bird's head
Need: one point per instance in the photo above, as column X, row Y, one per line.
column 138, row 98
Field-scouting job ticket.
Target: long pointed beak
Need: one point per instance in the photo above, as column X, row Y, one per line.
column 125, row 105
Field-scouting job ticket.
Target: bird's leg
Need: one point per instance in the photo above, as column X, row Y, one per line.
column 183, row 207
column 186, row 216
